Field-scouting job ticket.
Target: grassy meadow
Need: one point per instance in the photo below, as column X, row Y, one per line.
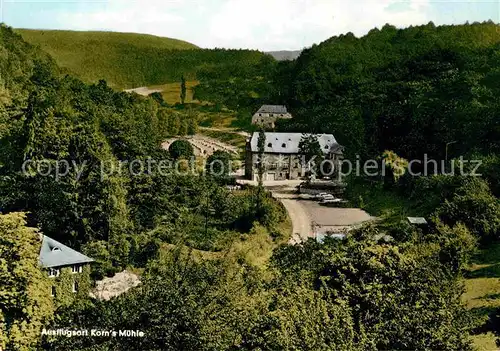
column 482, row 291
column 122, row 59
column 130, row 60
column 171, row 92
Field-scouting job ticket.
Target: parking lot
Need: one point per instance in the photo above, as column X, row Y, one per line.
column 310, row 217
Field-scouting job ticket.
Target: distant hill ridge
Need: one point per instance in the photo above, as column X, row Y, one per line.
column 129, row 60
column 284, row 55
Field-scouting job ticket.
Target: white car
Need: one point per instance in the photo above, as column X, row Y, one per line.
column 330, row 200
column 327, row 197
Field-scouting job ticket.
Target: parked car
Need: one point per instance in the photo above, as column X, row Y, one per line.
column 327, row 197
column 335, row 203
column 329, row 200
column 306, row 197
column 321, row 196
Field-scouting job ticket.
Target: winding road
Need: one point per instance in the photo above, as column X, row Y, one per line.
column 301, row 222
column 306, row 213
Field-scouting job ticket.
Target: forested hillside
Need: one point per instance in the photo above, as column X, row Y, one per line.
column 409, row 90
column 410, row 95
column 66, row 147
column 129, row 60
column 216, row 270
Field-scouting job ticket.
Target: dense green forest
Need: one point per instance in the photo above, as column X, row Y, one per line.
column 410, row 91
column 121, row 218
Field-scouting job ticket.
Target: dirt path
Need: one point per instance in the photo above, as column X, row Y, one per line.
column 301, row 222
column 227, row 130
column 145, row 91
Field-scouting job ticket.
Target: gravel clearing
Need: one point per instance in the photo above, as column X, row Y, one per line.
column 111, row 287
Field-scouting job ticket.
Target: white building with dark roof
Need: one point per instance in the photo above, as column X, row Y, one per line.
column 282, row 158
column 59, row 260
column 267, row 115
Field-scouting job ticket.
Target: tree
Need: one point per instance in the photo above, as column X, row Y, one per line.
column 192, row 127
column 401, row 297
column 183, row 127
column 395, row 167
column 156, row 96
column 457, row 245
column 181, row 149
column 475, row 206
column 25, row 301
column 218, row 164
column 174, row 124
column 183, row 90
column 310, row 151
column 261, row 142
column 189, row 304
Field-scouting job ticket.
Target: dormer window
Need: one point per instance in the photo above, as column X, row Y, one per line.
column 270, row 145
column 326, row 147
column 55, row 249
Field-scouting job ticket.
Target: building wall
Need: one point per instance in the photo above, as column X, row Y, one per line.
column 63, row 284
column 278, row 166
column 268, row 120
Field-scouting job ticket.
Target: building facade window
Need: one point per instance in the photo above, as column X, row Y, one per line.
column 53, row 272
column 76, row 269
column 75, row 287
column 53, row 291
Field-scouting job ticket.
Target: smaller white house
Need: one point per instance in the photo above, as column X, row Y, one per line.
column 267, row 115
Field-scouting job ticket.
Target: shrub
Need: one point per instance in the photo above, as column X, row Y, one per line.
column 181, row 149
column 474, row 205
